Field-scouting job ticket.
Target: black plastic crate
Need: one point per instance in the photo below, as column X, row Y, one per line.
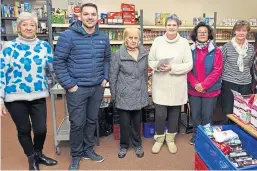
column 149, row 114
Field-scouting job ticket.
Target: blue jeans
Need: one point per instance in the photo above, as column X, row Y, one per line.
column 202, row 110
column 83, row 107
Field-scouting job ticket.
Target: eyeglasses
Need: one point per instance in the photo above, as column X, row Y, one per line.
column 202, row 33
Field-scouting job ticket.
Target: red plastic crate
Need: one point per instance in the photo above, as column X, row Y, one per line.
column 116, row 131
column 199, row 163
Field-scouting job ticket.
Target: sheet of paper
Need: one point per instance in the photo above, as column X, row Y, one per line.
column 164, row 61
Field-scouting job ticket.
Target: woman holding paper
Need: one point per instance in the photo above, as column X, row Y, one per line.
column 170, row 58
column 204, row 81
column 128, row 82
column 238, row 58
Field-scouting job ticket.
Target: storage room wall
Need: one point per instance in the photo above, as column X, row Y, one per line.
column 185, row 9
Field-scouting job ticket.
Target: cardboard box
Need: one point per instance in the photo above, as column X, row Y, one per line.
column 115, row 18
column 254, row 121
column 244, row 106
column 163, row 18
column 254, row 115
column 128, row 15
column 129, row 21
column 115, row 15
column 128, row 7
column 158, row 19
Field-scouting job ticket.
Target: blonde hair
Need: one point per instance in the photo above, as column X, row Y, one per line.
column 129, row 30
column 27, row 16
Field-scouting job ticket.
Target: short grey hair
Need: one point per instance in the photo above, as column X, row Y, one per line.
column 172, row 17
column 27, row 16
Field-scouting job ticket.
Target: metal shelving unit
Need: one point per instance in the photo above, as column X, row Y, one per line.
column 6, row 21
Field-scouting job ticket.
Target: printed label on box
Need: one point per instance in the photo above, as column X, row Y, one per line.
column 128, row 7
column 129, row 15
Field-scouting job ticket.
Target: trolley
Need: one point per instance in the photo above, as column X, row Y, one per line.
column 62, row 132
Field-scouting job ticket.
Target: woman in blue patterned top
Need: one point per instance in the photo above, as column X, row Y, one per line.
column 24, row 87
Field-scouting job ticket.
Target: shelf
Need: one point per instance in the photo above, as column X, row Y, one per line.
column 148, row 42
column 163, row 27
column 61, row 25
column 117, row 26
column 151, row 27
column 14, row 35
column 253, row 28
column 225, row 41
column 116, row 42
column 246, row 127
column 100, row 26
column 112, row 42
column 15, row 18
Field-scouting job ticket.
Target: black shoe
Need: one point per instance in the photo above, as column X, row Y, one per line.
column 33, row 163
column 192, row 141
column 139, row 152
column 91, row 155
column 122, row 153
column 74, row 164
column 42, row 159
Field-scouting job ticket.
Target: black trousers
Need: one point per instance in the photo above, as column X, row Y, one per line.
column 83, row 108
column 161, row 113
column 130, row 119
column 227, row 97
column 25, row 113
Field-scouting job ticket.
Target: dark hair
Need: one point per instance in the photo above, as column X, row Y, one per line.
column 88, row 5
column 193, row 35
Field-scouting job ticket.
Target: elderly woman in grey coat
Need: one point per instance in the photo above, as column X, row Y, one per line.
column 128, row 83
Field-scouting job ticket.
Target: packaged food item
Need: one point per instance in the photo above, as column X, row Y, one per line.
column 225, row 136
column 246, row 162
column 115, row 18
column 128, row 7
column 27, row 7
column 104, row 18
column 14, row 27
column 236, row 154
column 236, row 147
column 158, row 19
column 208, row 129
column 233, row 142
column 164, row 16
column 215, row 128
column 223, row 147
column 129, row 21
column 129, row 15
column 12, row 12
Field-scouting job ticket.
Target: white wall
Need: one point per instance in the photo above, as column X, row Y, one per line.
column 185, row 9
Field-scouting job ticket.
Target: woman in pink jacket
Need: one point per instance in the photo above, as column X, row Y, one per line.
column 205, row 78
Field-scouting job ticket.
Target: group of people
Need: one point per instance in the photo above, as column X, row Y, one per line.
column 83, row 64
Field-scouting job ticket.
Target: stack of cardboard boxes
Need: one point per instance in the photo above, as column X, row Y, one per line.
column 245, row 108
column 126, row 16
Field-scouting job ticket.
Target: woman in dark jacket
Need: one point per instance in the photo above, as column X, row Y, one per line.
column 128, row 82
